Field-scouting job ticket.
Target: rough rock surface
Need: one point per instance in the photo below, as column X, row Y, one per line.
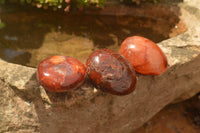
column 27, row 107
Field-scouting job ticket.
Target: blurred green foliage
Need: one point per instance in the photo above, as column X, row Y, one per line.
column 67, row 3
column 2, row 25
column 58, row 3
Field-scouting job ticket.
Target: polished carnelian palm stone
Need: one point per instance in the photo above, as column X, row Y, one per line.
column 60, row 73
column 111, row 72
column 145, row 56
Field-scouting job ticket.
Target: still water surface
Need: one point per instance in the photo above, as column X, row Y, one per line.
column 29, row 35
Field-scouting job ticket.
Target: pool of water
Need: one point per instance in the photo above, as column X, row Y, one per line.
column 29, row 35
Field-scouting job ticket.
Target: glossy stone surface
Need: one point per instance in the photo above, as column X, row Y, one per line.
column 111, row 72
column 61, row 73
column 145, row 56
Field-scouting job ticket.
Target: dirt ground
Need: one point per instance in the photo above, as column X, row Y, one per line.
column 182, row 117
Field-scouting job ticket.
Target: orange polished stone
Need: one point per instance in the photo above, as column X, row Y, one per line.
column 111, row 72
column 145, row 56
column 61, row 73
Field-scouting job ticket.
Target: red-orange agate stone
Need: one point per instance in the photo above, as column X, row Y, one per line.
column 61, row 73
column 145, row 56
column 111, row 72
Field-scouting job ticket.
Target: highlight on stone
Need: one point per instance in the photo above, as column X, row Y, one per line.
column 145, row 55
column 61, row 73
column 111, row 72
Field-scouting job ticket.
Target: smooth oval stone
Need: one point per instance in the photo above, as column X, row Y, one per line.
column 145, row 56
column 61, row 73
column 111, row 72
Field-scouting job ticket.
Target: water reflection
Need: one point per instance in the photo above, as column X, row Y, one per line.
column 30, row 35
column 10, row 53
column 15, row 56
column 12, row 38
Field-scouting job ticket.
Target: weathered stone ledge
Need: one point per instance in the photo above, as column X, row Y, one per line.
column 28, row 107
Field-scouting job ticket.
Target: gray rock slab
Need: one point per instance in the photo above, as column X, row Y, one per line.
column 26, row 107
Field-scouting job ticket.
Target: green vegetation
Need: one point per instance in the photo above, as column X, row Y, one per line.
column 2, row 25
column 58, row 3
column 66, row 4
